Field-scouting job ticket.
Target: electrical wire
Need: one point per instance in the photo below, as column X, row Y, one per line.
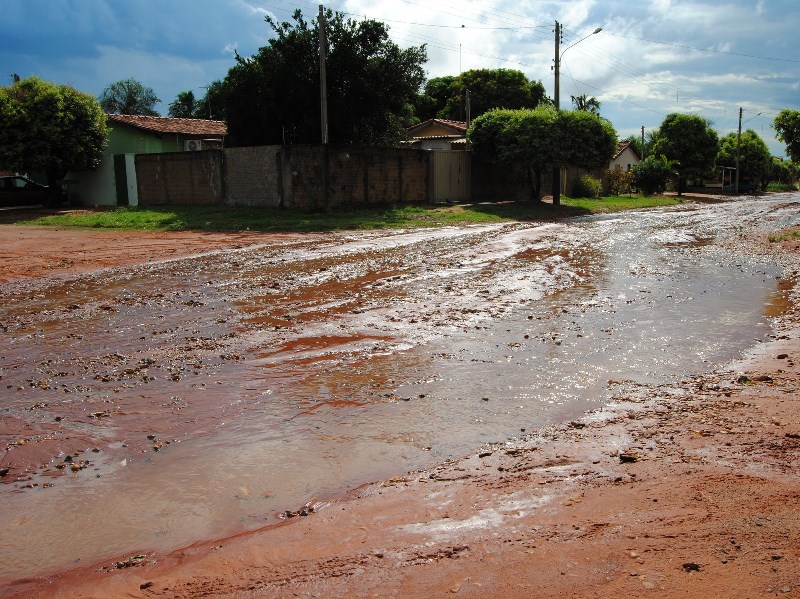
column 501, row 20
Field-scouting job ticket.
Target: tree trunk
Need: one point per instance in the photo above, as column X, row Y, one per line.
column 535, row 176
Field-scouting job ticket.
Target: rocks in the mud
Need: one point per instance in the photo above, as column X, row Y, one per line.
column 73, row 465
column 691, row 567
column 303, row 511
column 746, row 380
column 628, row 457
column 157, row 443
column 134, row 560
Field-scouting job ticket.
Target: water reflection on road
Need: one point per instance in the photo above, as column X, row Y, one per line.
column 283, row 374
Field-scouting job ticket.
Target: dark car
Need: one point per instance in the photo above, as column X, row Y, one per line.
column 16, row 190
column 745, row 186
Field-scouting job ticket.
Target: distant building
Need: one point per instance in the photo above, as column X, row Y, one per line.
column 626, row 158
column 437, row 134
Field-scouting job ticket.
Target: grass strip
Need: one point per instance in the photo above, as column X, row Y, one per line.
column 228, row 218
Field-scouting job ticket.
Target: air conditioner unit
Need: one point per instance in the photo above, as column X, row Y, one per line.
column 192, row 145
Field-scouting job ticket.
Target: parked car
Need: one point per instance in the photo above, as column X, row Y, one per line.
column 16, row 190
column 745, row 186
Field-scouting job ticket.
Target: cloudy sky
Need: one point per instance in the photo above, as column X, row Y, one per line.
column 651, row 58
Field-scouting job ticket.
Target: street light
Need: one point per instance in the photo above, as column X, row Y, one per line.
column 557, row 99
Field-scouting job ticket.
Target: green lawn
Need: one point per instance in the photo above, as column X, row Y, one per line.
column 225, row 218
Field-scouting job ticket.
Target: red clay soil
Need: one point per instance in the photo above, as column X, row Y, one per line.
column 30, row 252
column 690, row 490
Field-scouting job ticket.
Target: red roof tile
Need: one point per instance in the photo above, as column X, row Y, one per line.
column 623, row 145
column 456, row 126
column 157, row 124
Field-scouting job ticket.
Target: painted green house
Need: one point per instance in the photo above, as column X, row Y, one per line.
column 113, row 182
column 130, row 134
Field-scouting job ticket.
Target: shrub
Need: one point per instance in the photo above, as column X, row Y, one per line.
column 652, row 176
column 587, row 187
column 617, row 182
column 782, row 186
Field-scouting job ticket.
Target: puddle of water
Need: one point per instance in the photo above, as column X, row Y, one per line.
column 459, row 341
column 780, row 300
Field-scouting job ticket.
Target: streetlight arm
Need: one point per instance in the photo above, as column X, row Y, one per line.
column 598, row 30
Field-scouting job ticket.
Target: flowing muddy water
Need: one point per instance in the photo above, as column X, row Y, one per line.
column 146, row 408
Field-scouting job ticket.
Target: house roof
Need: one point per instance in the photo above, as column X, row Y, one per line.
column 160, row 125
column 457, row 127
column 624, row 145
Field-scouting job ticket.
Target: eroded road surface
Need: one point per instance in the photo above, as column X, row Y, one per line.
column 147, row 407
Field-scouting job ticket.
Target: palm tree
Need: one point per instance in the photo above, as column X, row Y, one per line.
column 586, row 104
column 129, row 96
column 185, row 106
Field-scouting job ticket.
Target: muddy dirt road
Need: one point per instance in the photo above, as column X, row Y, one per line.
column 162, row 402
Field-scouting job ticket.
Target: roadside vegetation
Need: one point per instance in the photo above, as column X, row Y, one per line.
column 791, row 235
column 225, row 218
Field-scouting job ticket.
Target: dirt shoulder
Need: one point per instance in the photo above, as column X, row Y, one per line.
column 687, row 490
column 31, row 252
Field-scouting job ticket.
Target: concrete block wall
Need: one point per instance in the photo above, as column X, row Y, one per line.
column 253, row 176
column 313, row 177
column 180, row 178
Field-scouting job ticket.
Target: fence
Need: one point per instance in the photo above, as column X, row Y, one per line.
column 319, row 177
column 179, row 178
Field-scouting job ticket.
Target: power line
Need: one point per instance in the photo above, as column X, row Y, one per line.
column 641, row 39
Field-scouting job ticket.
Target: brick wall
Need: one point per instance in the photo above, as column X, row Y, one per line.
column 319, row 177
column 253, row 176
column 180, row 178
column 311, row 177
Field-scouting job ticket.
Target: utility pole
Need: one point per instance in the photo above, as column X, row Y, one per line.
column 469, row 115
column 557, row 101
column 738, row 144
column 323, row 83
column 643, row 148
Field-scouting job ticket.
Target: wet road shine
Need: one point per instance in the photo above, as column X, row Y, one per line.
column 146, row 408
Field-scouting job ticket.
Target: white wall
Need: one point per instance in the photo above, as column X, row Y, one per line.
column 94, row 188
column 99, row 188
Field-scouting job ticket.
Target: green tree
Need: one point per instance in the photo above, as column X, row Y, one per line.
column 586, row 104
column 490, row 88
column 50, row 127
column 212, row 105
column 517, row 136
column 543, row 138
column 783, row 173
column 652, row 174
column 184, row 107
column 371, row 84
column 588, row 141
column 688, row 140
column 129, row 96
column 755, row 160
column 433, row 97
column 787, row 124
